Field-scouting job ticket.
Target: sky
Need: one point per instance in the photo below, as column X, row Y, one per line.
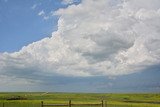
column 21, row 23
column 99, row 46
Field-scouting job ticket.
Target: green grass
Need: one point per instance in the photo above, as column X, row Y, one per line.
column 112, row 100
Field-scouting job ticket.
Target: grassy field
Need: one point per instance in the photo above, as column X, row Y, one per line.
column 111, row 100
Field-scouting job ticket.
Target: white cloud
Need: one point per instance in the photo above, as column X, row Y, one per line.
column 93, row 38
column 67, row 1
column 41, row 13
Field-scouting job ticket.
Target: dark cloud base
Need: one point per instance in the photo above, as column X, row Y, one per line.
column 144, row 81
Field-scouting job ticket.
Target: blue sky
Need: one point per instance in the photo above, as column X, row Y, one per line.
column 21, row 25
column 80, row 45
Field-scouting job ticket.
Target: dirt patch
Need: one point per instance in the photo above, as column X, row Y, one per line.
column 16, row 98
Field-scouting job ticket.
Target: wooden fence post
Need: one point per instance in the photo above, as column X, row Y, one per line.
column 105, row 103
column 69, row 103
column 41, row 103
column 102, row 103
column 3, row 104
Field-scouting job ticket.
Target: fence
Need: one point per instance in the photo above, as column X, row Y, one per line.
column 2, row 104
column 74, row 104
column 70, row 104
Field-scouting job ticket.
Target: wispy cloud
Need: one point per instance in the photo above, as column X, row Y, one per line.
column 41, row 13
column 4, row 1
column 44, row 15
column 34, row 6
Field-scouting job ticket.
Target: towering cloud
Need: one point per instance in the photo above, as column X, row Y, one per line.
column 95, row 37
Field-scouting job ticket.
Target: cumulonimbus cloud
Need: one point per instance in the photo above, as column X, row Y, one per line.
column 95, row 37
